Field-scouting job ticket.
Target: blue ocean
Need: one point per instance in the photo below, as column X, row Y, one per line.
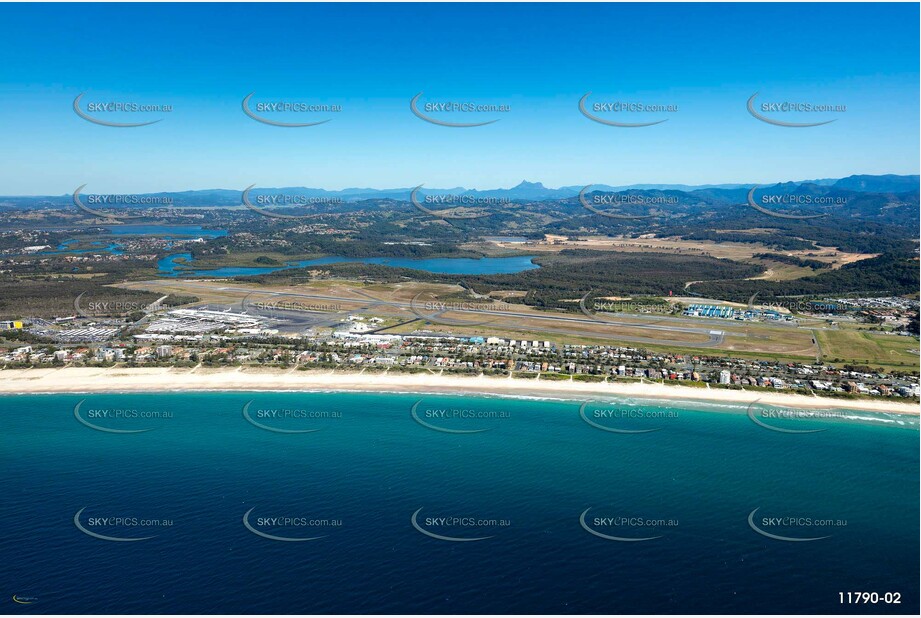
column 447, row 504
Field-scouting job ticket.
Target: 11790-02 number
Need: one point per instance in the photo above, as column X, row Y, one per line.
column 857, row 598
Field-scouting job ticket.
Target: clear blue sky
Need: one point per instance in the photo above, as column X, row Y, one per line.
column 371, row 59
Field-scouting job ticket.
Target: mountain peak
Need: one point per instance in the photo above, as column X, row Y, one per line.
column 524, row 184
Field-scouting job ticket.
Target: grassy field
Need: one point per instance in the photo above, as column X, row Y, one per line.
column 749, row 340
column 857, row 346
column 559, row 340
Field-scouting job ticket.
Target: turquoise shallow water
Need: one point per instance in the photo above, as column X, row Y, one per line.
column 518, row 478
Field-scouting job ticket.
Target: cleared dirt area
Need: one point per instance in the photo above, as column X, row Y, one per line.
column 730, row 250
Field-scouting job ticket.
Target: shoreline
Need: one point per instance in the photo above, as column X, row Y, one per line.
column 170, row 379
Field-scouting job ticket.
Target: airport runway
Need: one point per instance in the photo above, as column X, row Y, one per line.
column 714, row 337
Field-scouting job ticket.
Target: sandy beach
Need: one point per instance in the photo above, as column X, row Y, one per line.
column 89, row 380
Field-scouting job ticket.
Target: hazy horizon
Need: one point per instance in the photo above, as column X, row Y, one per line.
column 97, row 190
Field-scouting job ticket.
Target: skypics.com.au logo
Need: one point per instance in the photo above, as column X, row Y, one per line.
column 631, row 306
column 456, row 420
column 600, row 202
column 609, row 305
column 288, row 420
column 792, row 107
column 427, row 111
column 792, row 199
column 444, row 206
column 625, row 419
column 794, row 528
column 116, row 200
column 115, row 309
column 289, row 528
column 115, row 419
column 791, row 420
column 260, row 111
column 95, row 110
column 458, row 528
column 626, row 528
column 293, row 307
column 619, row 109
column 262, row 204
column 426, row 306
column 118, row 528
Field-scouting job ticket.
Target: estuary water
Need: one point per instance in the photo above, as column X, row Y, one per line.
column 178, row 265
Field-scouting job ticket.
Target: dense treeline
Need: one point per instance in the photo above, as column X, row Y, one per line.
column 48, row 298
column 886, row 273
column 57, row 266
column 843, row 234
column 793, row 260
column 326, row 245
column 770, row 239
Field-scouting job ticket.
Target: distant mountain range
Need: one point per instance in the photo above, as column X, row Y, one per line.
column 525, row 191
